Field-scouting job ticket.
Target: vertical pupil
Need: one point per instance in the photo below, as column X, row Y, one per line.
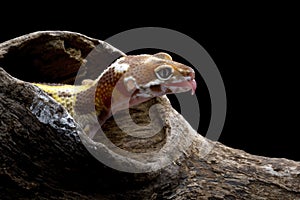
column 164, row 72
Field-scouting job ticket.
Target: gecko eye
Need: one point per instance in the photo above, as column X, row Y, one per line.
column 164, row 72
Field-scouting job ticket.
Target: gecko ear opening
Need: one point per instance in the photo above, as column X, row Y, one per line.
column 130, row 84
column 163, row 55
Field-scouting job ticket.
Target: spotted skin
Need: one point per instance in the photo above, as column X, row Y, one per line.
column 133, row 78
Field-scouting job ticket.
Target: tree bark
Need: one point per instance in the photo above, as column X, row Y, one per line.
column 46, row 155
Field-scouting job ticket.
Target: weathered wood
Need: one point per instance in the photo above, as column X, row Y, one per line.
column 44, row 154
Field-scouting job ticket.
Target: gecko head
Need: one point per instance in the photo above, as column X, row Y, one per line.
column 149, row 76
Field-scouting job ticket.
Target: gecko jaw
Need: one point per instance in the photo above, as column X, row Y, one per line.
column 183, row 86
column 161, row 88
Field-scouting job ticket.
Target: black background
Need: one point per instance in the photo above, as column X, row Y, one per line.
column 255, row 50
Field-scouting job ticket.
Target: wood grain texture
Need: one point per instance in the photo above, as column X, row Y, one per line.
column 43, row 156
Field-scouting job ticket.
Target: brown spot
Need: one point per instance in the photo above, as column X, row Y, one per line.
column 64, row 94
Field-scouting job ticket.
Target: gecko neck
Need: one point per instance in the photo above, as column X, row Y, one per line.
column 108, row 88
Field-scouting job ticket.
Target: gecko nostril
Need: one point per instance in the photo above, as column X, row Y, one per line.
column 192, row 74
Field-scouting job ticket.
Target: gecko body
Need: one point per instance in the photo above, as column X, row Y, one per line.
column 129, row 81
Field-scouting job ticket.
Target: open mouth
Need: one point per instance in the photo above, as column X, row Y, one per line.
column 182, row 86
column 170, row 88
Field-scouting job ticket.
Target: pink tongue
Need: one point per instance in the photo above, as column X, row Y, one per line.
column 192, row 84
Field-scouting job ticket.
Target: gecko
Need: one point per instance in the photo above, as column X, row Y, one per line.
column 129, row 81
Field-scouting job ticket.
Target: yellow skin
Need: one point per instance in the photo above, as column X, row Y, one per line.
column 129, row 81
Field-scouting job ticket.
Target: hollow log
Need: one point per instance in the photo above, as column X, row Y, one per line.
column 46, row 155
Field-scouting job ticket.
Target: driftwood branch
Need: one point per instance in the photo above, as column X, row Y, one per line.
column 45, row 154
